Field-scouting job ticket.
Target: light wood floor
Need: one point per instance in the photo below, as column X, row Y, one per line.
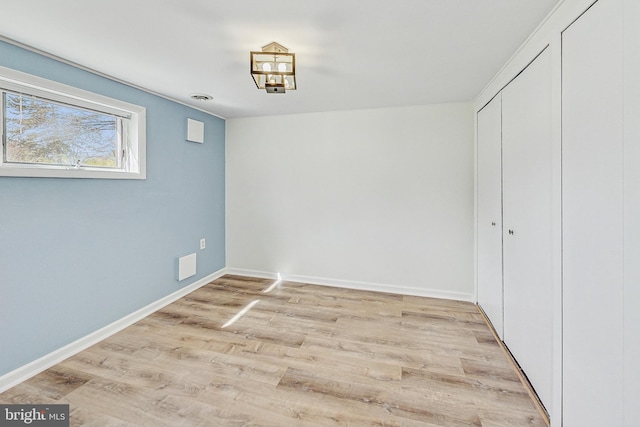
column 300, row 355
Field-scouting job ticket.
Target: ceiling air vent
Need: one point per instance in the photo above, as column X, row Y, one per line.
column 201, row 97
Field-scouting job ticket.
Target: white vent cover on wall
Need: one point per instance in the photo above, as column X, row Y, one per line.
column 195, row 131
column 186, row 266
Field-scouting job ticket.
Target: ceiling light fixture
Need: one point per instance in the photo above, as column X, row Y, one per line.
column 274, row 68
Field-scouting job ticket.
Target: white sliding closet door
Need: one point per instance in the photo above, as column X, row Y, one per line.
column 489, row 217
column 592, row 152
column 527, row 222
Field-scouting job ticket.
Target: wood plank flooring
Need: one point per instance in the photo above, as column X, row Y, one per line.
column 233, row 354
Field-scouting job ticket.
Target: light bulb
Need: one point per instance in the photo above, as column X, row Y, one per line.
column 266, row 67
column 282, row 67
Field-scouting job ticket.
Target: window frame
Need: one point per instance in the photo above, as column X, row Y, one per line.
column 133, row 118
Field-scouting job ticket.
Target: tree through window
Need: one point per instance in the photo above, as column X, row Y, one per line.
column 43, row 131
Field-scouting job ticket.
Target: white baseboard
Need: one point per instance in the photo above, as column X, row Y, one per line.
column 252, row 273
column 365, row 286
column 33, row 368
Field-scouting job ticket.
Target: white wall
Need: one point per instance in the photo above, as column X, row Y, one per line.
column 632, row 213
column 379, row 199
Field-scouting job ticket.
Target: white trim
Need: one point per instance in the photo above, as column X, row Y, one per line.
column 350, row 284
column 31, row 369
column 253, row 273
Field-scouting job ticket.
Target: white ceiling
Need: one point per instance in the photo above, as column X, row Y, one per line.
column 350, row 54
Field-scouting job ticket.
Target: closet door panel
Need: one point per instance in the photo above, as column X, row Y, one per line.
column 527, row 225
column 489, row 205
column 592, row 152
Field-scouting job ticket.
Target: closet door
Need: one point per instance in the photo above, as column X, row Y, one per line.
column 592, row 164
column 527, row 222
column 489, row 213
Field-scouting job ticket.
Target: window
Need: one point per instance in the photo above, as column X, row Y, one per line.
column 53, row 130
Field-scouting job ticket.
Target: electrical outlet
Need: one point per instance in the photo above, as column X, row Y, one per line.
column 203, row 244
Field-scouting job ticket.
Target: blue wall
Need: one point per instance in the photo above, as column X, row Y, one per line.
column 78, row 254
